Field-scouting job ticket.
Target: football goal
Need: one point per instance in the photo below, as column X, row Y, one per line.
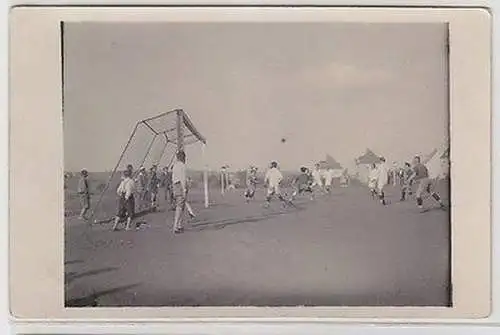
column 153, row 142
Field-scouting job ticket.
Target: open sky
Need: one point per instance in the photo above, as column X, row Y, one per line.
column 328, row 88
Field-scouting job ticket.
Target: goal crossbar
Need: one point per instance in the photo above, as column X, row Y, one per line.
column 185, row 130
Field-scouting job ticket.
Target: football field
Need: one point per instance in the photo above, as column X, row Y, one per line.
column 344, row 249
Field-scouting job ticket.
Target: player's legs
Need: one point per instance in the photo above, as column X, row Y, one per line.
column 190, row 210
column 85, row 204
column 270, row 192
column 153, row 199
column 130, row 210
column 404, row 191
column 434, row 194
column 381, row 193
column 120, row 213
column 421, row 189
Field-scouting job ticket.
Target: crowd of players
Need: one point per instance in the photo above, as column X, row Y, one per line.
column 319, row 181
column 139, row 190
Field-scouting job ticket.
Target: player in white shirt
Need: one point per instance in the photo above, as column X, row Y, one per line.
column 273, row 180
column 372, row 180
column 179, row 184
column 328, row 175
column 317, row 184
column 126, row 207
column 382, row 180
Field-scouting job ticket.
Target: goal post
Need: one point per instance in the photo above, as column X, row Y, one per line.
column 153, row 141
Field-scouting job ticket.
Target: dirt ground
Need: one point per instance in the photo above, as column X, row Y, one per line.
column 345, row 249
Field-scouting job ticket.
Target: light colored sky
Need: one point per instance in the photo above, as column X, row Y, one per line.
column 326, row 87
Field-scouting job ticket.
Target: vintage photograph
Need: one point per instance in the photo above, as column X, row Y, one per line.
column 256, row 164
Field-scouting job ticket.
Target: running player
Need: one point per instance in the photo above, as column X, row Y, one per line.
column 406, row 181
column 328, row 176
column 302, row 183
column 317, row 182
column 273, row 180
column 251, row 181
column 425, row 184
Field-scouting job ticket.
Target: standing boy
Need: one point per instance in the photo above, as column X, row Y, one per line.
column 179, row 185
column 84, row 193
column 154, row 183
column 126, row 205
column 167, row 185
column 142, row 188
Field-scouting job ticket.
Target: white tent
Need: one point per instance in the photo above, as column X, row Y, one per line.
column 438, row 162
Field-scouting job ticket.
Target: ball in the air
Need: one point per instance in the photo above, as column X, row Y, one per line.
column 283, row 140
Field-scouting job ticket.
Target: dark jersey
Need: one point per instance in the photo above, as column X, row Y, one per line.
column 153, row 182
column 302, row 179
column 420, row 171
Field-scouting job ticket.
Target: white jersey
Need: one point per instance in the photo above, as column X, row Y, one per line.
column 382, row 175
column 316, row 174
column 373, row 177
column 273, row 177
column 328, row 175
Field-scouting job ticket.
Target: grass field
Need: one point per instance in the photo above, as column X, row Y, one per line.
column 339, row 250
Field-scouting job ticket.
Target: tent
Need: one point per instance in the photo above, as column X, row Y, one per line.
column 369, row 157
column 363, row 165
column 437, row 162
column 331, row 163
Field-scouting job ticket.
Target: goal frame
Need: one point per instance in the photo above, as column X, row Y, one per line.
column 182, row 121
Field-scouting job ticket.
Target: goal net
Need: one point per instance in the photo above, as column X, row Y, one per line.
column 153, row 142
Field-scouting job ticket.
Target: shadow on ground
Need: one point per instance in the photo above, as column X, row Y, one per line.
column 69, row 277
column 221, row 224
column 92, row 300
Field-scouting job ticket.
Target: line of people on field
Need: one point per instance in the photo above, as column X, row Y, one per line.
column 312, row 182
column 409, row 176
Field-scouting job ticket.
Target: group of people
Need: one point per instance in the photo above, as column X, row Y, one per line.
column 144, row 186
column 410, row 175
column 174, row 180
column 310, row 181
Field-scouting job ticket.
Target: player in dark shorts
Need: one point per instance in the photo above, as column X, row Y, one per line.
column 425, row 184
column 406, row 181
column 167, row 186
column 153, row 185
column 251, row 183
column 142, row 184
column 303, row 183
column 126, row 201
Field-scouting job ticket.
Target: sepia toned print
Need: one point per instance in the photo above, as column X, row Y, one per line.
column 272, row 164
